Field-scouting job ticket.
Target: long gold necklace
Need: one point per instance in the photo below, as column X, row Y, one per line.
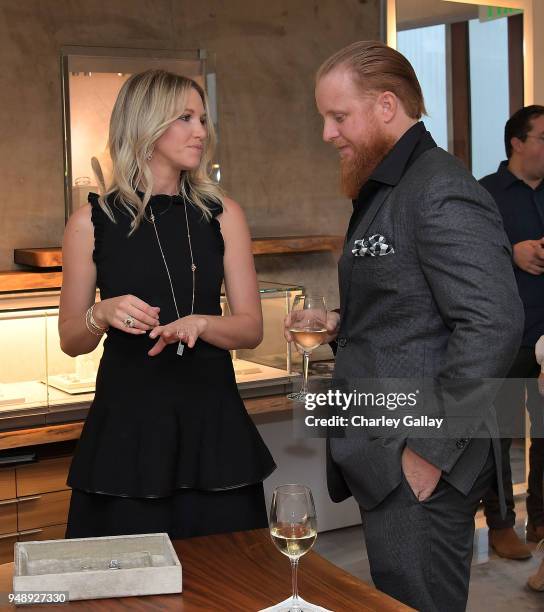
column 181, row 346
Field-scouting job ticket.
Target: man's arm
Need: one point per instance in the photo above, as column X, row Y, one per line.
column 466, row 258
column 528, row 255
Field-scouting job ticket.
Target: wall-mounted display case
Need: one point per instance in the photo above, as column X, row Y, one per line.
column 91, row 80
column 36, row 376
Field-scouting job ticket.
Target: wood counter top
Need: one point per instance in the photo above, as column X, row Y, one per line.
column 242, row 571
column 30, row 436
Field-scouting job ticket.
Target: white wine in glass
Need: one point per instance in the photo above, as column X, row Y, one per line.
column 308, row 329
column 293, row 541
column 293, row 528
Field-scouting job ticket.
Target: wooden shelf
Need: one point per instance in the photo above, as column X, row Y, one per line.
column 26, row 281
column 42, row 260
column 52, row 257
column 31, row 436
column 296, row 244
column 39, row 258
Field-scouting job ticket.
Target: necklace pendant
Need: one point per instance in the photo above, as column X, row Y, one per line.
column 181, row 346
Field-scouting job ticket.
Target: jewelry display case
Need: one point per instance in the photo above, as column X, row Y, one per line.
column 91, row 79
column 268, row 368
column 37, row 377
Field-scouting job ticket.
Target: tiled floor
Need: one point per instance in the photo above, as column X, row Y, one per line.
column 496, row 585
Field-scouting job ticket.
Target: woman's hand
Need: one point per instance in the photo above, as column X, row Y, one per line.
column 186, row 330
column 127, row 313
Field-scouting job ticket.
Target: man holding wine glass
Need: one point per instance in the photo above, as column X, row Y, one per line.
column 308, row 330
column 427, row 291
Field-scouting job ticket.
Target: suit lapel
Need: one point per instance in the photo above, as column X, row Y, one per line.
column 358, row 233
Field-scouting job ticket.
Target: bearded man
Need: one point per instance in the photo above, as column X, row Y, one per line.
column 427, row 290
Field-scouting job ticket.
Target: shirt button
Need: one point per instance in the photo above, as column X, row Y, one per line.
column 461, row 443
column 342, row 341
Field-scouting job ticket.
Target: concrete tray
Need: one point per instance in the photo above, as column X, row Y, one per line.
column 95, row 568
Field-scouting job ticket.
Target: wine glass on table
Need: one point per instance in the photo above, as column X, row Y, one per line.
column 308, row 328
column 293, row 527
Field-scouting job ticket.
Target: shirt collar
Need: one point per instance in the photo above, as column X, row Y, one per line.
column 407, row 149
column 394, row 164
column 507, row 178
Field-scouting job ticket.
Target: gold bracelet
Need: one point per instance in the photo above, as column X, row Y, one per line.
column 92, row 325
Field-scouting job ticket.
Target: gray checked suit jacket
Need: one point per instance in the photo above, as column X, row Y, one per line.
column 445, row 304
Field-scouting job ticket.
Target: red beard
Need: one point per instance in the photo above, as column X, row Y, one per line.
column 356, row 170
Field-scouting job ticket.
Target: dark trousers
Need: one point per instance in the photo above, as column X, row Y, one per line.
column 510, row 408
column 421, row 552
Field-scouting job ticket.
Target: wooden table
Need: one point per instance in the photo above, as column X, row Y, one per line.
column 240, row 572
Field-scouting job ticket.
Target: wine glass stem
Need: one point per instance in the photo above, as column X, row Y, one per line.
column 305, row 364
column 294, row 568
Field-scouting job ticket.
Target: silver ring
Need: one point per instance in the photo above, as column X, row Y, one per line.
column 129, row 321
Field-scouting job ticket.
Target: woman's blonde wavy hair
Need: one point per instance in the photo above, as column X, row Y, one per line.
column 147, row 104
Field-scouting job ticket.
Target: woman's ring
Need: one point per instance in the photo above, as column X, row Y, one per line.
column 129, row 321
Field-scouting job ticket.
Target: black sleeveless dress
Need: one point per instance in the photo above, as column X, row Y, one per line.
column 167, row 444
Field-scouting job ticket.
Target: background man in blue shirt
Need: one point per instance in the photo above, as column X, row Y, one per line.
column 518, row 188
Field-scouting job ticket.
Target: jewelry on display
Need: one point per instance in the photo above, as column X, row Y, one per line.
column 92, row 325
column 129, row 321
column 181, row 346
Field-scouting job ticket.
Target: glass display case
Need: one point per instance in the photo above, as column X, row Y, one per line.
column 36, row 375
column 269, row 367
column 91, row 80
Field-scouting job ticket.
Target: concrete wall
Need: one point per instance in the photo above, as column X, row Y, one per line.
column 273, row 160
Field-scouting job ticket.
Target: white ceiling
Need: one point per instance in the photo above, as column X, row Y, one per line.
column 419, row 13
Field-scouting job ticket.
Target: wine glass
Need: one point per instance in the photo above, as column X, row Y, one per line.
column 308, row 329
column 293, row 527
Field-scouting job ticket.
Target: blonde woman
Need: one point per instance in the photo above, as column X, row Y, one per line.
column 167, row 445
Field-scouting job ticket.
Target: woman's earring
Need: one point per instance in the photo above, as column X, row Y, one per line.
column 149, row 155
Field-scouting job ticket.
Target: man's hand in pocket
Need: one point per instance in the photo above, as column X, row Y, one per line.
column 421, row 475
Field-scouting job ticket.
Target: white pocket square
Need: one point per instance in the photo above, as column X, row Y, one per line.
column 375, row 246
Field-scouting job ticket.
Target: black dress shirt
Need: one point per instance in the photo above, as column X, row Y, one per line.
column 394, row 165
column 522, row 210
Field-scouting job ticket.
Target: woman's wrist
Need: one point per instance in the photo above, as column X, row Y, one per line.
column 202, row 323
column 98, row 316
